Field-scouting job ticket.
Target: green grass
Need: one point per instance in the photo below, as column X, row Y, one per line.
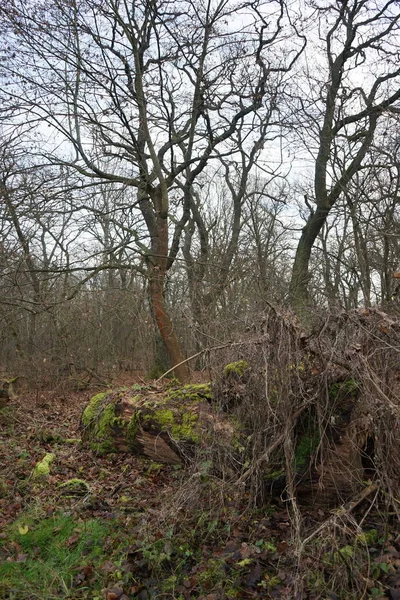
column 48, row 560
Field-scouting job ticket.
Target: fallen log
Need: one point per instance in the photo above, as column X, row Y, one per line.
column 162, row 424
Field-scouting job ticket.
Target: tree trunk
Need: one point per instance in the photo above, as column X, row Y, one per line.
column 157, row 269
column 165, row 324
column 300, row 276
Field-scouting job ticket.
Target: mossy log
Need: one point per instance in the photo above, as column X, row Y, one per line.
column 164, row 425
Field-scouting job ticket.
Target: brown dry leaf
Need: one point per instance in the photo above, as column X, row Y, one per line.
column 21, row 558
column 282, row 547
column 254, row 576
column 113, row 593
column 230, row 548
column 245, row 550
column 88, row 571
column 72, row 540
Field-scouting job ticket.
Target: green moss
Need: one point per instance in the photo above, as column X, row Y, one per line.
column 104, row 429
column 42, row 468
column 132, row 429
column 181, row 426
column 237, row 368
column 344, row 389
column 170, row 411
column 163, row 417
column 306, row 445
column 103, row 416
column 368, row 537
column 186, row 430
column 74, row 486
column 92, row 410
column 191, row 392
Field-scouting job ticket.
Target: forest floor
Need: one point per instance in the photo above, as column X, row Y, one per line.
column 116, row 532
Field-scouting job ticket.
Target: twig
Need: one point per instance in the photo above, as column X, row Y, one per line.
column 208, row 349
column 265, row 455
column 340, row 512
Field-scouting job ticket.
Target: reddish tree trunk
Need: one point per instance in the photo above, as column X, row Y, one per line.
column 158, row 270
column 165, row 325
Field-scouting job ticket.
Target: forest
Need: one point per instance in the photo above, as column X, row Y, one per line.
column 199, row 299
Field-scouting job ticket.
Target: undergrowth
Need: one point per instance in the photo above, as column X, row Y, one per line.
column 303, row 504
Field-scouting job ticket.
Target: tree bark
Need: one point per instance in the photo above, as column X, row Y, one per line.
column 165, row 326
column 300, row 275
column 157, row 265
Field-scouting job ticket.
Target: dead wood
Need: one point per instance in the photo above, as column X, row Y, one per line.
column 162, row 424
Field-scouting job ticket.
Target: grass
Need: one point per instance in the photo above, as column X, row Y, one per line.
column 52, row 557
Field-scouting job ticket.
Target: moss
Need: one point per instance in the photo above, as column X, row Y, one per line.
column 307, row 443
column 105, row 419
column 181, row 427
column 104, row 430
column 132, row 429
column 237, row 368
column 191, row 392
column 74, row 486
column 169, row 411
column 73, row 481
column 42, row 468
column 162, row 417
column 368, row 537
column 186, row 430
column 93, row 409
column 173, row 382
column 344, row 389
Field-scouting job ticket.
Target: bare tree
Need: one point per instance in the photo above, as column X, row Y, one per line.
column 359, row 84
column 147, row 94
